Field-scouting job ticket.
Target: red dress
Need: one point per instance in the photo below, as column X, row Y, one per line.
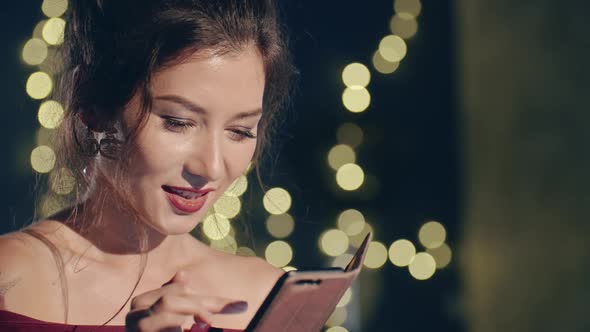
column 10, row 321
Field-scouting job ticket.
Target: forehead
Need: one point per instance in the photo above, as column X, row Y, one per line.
column 231, row 82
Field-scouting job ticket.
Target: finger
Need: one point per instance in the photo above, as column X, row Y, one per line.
column 184, row 305
column 147, row 299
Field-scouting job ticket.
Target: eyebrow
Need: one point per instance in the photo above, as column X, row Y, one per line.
column 200, row 110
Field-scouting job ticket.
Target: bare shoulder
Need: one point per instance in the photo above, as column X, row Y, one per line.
column 16, row 256
column 25, row 274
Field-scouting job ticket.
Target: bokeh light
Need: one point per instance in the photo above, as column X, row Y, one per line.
column 228, row 244
column 357, row 240
column 411, row 7
column 383, row 66
column 51, row 204
column 401, row 252
column 238, row 187
column 350, row 134
column 338, row 317
column 376, row 255
column 334, row 242
column 403, row 25
column 277, row 201
column 341, row 154
column 422, row 266
column 278, row 253
column 216, row 226
column 442, row 255
column 342, row 260
column 34, row 51
column 53, row 31
column 356, row 99
column 39, row 85
column 432, row 234
column 392, row 48
column 62, row 181
column 356, row 75
column 54, row 8
column 351, row 221
column 43, row 159
column 45, row 136
column 50, row 114
column 245, row 251
column 345, row 298
column 280, row 225
column 38, row 30
column 336, row 329
column 228, row 206
column 350, row 177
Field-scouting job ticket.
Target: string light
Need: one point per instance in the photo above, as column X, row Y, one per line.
column 245, row 251
column 350, row 177
column 336, row 329
column 54, row 8
column 401, row 252
column 432, row 234
column 338, row 317
column 53, row 31
column 39, row 85
column 442, row 255
column 345, row 298
column 341, row 154
column 334, row 242
column 376, row 255
column 34, row 51
column 410, row 7
column 351, row 221
column 278, row 253
column 238, row 187
column 62, row 181
column 423, row 266
column 356, row 99
column 392, row 48
column 228, row 206
column 350, row 134
column 403, row 25
column 277, row 201
column 356, row 75
column 216, row 226
column 228, row 245
column 356, row 240
column 50, row 114
column 342, row 260
column 280, row 225
column 43, row 159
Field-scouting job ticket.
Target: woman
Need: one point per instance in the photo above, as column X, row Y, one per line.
column 167, row 103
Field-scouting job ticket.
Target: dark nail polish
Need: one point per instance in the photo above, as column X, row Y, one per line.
column 235, row 307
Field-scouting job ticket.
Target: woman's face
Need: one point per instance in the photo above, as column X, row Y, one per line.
column 199, row 137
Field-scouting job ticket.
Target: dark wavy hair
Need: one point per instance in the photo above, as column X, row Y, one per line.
column 113, row 48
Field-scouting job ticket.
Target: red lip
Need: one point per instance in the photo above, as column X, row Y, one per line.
column 186, row 205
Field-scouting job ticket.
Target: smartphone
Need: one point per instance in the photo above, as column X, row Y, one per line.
column 304, row 300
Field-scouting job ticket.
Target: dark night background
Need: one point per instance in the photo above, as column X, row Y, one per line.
column 482, row 127
column 410, row 142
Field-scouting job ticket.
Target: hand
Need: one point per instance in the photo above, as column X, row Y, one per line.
column 175, row 306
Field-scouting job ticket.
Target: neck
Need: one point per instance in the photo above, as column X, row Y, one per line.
column 114, row 236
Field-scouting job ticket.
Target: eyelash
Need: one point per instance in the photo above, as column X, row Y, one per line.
column 179, row 126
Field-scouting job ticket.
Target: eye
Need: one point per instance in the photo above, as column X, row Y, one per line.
column 175, row 124
column 239, row 135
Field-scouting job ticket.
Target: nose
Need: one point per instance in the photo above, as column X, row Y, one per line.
column 206, row 161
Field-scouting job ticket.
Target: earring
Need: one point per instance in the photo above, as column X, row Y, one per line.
column 88, row 144
column 110, row 146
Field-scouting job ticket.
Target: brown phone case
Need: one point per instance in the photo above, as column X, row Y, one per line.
column 302, row 301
